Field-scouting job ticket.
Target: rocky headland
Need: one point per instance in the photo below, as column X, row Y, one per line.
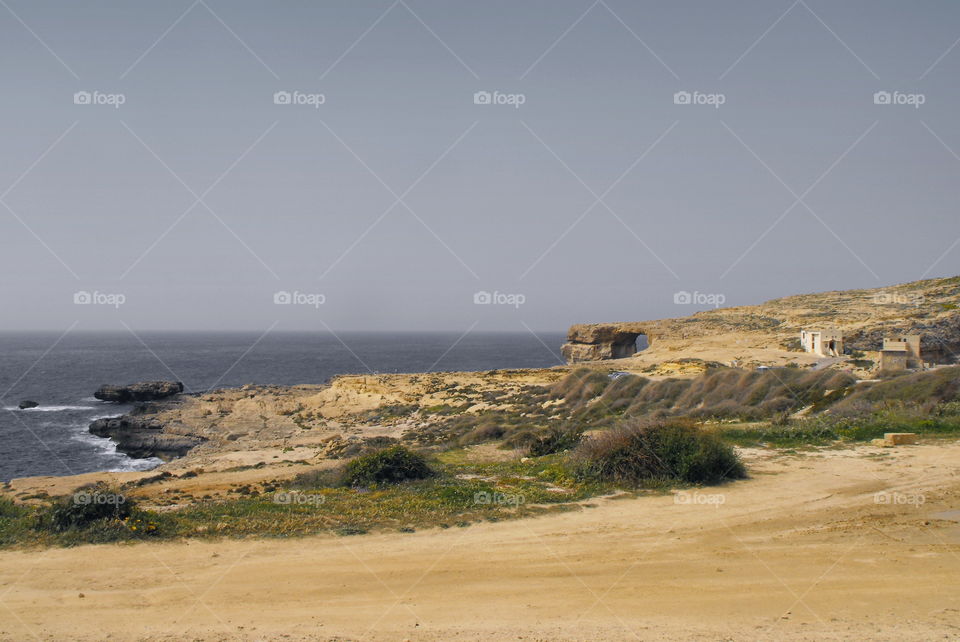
column 143, row 437
column 142, row 433
column 767, row 334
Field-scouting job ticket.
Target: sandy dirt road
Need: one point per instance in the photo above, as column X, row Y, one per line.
column 804, row 550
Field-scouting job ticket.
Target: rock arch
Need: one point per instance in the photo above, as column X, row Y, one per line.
column 602, row 341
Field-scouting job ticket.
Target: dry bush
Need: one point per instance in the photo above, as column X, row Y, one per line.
column 720, row 393
column 642, row 452
column 941, row 385
column 486, row 431
column 580, row 386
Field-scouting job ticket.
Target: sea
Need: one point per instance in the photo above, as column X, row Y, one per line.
column 61, row 373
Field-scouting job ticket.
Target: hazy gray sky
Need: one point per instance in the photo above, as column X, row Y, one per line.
column 199, row 198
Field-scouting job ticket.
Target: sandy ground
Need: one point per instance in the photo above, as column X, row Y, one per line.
column 802, row 551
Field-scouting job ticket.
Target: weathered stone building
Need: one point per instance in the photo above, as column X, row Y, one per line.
column 825, row 342
column 901, row 353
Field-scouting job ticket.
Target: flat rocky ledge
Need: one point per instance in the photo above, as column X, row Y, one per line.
column 143, row 391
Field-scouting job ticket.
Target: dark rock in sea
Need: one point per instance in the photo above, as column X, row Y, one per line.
column 26, row 403
column 143, row 391
column 143, row 437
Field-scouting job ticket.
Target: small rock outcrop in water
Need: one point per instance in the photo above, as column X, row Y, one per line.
column 144, row 391
column 26, row 403
column 143, row 437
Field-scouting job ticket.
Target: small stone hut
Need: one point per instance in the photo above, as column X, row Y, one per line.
column 824, row 342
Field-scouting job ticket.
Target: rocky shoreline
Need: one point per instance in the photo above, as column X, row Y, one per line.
column 143, row 437
column 140, row 433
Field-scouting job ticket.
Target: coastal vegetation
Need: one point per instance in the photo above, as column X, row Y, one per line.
column 540, row 449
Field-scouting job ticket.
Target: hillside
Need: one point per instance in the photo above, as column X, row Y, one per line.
column 768, row 333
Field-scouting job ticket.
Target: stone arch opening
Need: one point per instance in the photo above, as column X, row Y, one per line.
column 628, row 344
column 641, row 343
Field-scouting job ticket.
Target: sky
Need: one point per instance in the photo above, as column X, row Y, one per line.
column 501, row 165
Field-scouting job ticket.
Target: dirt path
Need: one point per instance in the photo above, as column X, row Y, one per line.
column 801, row 551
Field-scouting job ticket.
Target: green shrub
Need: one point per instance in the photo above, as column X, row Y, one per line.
column 388, row 466
column 85, row 507
column 10, row 510
column 949, row 408
column 554, row 440
column 16, row 522
column 639, row 453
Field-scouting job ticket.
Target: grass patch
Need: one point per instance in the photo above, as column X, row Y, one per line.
column 459, row 492
column 826, row 429
column 92, row 514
